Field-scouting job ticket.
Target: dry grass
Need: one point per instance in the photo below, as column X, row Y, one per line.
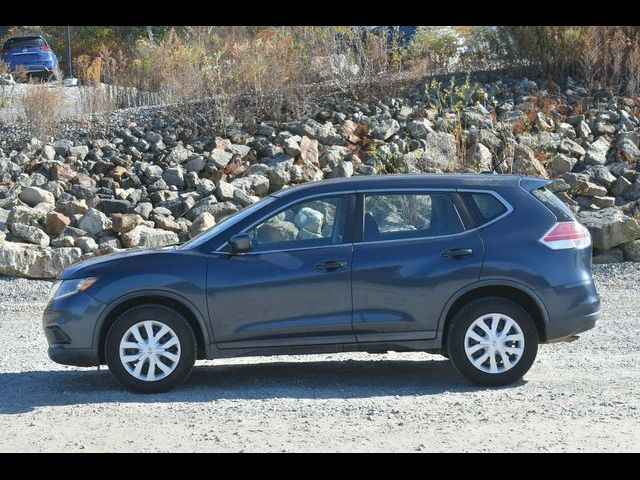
column 41, row 107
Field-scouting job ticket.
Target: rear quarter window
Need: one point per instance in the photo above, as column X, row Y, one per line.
column 482, row 207
column 553, row 203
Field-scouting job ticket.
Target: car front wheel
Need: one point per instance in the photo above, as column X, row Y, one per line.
column 492, row 341
column 150, row 349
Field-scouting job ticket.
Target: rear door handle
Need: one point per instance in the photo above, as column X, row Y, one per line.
column 331, row 265
column 457, row 253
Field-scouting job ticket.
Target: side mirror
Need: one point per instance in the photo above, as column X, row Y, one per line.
column 240, row 243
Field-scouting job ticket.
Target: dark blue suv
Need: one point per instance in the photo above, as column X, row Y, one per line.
column 32, row 55
column 479, row 268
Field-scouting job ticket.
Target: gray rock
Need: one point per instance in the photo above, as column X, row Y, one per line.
column 220, row 157
column 30, row 234
column 558, row 185
column 122, row 223
column 32, row 196
column 629, row 150
column 48, row 152
column 276, row 231
column 614, row 255
column 178, row 154
column 631, row 251
column 225, row 190
column 31, row 261
column 620, row 187
column 344, row 169
column 609, row 227
column 385, row 129
column 572, row 148
column 202, row 223
column 86, row 244
column 147, row 237
column 80, row 151
column 597, row 152
column 252, row 184
column 24, row 215
column 561, row 164
column 94, row 222
column 419, row 128
column 110, row 206
column 196, row 164
column 174, row 176
column 526, row 163
column 633, row 192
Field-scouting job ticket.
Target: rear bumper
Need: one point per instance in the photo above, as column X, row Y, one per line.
column 43, row 68
column 572, row 309
column 571, row 326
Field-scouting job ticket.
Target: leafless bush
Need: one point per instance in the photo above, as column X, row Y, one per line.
column 41, row 108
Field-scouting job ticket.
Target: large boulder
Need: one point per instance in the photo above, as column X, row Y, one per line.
column 32, row 261
column 148, row 237
column 609, row 227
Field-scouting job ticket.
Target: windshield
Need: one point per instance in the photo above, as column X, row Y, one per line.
column 226, row 223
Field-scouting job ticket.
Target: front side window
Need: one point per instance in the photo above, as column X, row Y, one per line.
column 310, row 223
column 393, row 216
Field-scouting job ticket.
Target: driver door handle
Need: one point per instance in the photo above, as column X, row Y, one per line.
column 330, row 265
column 457, row 253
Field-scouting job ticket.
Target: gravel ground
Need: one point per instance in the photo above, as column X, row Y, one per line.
column 583, row 396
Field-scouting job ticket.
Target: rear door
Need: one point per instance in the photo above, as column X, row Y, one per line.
column 413, row 254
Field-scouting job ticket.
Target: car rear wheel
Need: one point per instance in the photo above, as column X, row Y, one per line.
column 150, row 349
column 492, row 341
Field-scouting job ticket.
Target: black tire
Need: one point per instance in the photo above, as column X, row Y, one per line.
column 170, row 318
column 462, row 321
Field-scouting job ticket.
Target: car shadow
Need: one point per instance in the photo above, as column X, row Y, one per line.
column 24, row 391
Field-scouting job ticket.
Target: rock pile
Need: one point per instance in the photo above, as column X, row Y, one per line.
column 149, row 181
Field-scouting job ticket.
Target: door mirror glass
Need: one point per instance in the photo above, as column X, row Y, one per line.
column 240, row 243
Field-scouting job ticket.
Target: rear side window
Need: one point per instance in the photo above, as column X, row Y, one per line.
column 18, row 43
column 483, row 207
column 394, row 216
column 553, row 203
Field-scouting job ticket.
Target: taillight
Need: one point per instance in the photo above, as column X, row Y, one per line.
column 46, row 48
column 564, row 235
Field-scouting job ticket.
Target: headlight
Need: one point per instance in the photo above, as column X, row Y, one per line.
column 66, row 288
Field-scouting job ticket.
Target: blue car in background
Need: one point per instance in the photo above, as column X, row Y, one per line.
column 31, row 54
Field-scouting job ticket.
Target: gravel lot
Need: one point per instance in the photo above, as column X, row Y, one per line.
column 583, row 396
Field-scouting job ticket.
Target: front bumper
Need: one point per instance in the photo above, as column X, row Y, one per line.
column 69, row 325
column 78, row 357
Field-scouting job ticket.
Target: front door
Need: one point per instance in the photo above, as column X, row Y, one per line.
column 413, row 256
column 294, row 285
